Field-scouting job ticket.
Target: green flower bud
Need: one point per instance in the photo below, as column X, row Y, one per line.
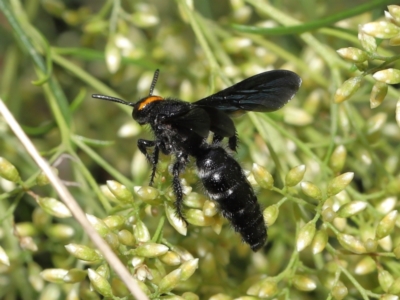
column 339, row 291
column 140, row 232
column 295, row 175
column 54, row 207
column 268, row 288
column 365, row 266
column 351, row 243
column 389, row 76
column 98, row 225
column 24, row 229
column 338, row 159
column 394, row 11
column 171, row 258
column 304, row 283
column 378, row 94
column 113, row 56
column 270, row 214
column 112, row 239
column 236, row 44
column 8, row 171
column 254, row 289
column 367, row 42
column 305, row 236
column 137, row 261
column 147, row 193
column 347, row 89
column 385, row 279
column 126, row 237
column 83, row 252
column 311, row 190
column 217, row 225
column 119, row 288
column 263, row 177
column 328, row 214
column 188, row 268
column 145, row 19
column 99, row 283
column 119, row 191
column 386, row 225
column 174, row 220
column 210, row 208
column 297, row 116
column 169, row 281
column 190, row 296
column 353, row 55
column 194, row 200
column 150, row 249
column 395, row 287
column 40, row 218
column 395, row 41
column 389, row 297
column 95, row 26
column 319, row 242
column 371, row 245
column 396, row 251
column 54, row 275
column 114, row 222
column 74, row 276
column 374, row 127
column 386, row 243
column 197, row 217
column 352, row 208
column 4, row 257
column 339, row 183
column 34, row 277
column 381, row 29
column 42, row 179
column 60, row 231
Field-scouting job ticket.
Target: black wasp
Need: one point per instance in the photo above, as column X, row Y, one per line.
column 181, row 129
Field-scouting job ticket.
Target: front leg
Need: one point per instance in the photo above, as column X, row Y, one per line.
column 143, row 145
column 177, row 168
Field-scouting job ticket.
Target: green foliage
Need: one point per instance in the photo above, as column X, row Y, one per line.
column 326, row 166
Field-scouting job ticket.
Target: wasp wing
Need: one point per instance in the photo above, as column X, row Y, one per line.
column 196, row 120
column 265, row 92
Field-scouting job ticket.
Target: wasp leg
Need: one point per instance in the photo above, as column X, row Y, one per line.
column 233, row 141
column 177, row 168
column 217, row 139
column 143, row 145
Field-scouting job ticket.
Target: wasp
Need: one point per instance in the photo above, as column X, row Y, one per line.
column 181, row 129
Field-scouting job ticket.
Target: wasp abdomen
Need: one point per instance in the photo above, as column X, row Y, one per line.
column 225, row 183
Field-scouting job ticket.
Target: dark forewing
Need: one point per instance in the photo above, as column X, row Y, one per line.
column 196, row 120
column 263, row 92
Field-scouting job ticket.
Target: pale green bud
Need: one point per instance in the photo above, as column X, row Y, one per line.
column 305, row 236
column 386, row 243
column 171, row 258
column 95, row 26
column 297, row 116
column 113, row 56
column 236, row 44
column 140, row 232
column 174, row 220
column 112, row 239
column 394, row 11
column 396, row 251
column 54, row 275
column 147, row 193
column 339, row 291
column 304, row 283
column 347, row 89
column 295, row 175
column 386, row 225
column 114, row 222
column 119, row 191
column 389, row 297
column 352, row 54
column 385, row 279
column 381, row 29
column 150, row 249
column 218, row 223
column 98, row 225
column 210, row 208
column 351, row 209
column 263, row 177
column 4, row 257
column 40, row 218
column 137, row 261
column 194, row 200
column 126, row 237
column 83, row 252
column 74, row 276
column 190, row 296
column 371, row 245
column 34, row 277
column 254, row 289
column 170, row 281
column 145, row 18
column 54, row 207
column 197, row 217
column 339, row 183
column 378, row 94
column 338, row 158
column 395, row 287
column 367, row 42
column 8, row 171
column 221, row 296
column 26, row 229
column 395, row 41
column 328, row 214
column 188, row 268
column 365, row 266
column 311, row 190
column 99, row 283
column 389, row 76
column 340, row 223
column 268, row 288
column 351, row 243
column 319, row 242
column 270, row 214
column 60, row 231
column 42, row 179
column 119, row 288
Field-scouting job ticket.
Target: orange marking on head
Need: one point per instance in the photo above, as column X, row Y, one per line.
column 149, row 100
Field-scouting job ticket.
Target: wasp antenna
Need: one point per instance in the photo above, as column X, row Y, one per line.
column 113, row 99
column 153, row 83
